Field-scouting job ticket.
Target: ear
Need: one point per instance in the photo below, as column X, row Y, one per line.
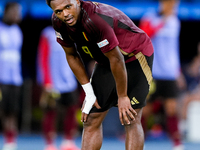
column 78, row 2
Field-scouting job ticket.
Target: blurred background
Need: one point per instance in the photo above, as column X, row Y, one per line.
column 36, row 16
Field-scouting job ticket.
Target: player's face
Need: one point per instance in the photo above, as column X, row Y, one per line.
column 66, row 10
column 13, row 14
column 168, row 5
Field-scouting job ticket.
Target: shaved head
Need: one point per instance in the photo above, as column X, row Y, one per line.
column 48, row 2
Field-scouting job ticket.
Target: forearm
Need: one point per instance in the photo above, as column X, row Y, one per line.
column 76, row 64
column 78, row 68
column 119, row 72
column 118, row 68
column 120, row 77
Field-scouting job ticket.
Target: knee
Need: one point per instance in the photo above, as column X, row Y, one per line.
column 134, row 123
column 94, row 121
column 133, row 127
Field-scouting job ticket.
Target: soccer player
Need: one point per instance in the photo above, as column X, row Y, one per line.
column 122, row 74
column 163, row 27
column 11, row 40
column 60, row 92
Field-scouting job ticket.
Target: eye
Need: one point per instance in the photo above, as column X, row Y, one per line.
column 58, row 11
column 68, row 6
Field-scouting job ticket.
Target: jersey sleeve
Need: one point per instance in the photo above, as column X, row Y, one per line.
column 61, row 35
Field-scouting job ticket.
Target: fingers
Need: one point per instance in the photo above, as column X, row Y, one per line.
column 126, row 116
column 97, row 105
column 89, row 102
column 132, row 112
column 121, row 118
column 130, row 115
column 84, row 117
column 83, row 105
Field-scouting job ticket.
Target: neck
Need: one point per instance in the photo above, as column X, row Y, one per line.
column 6, row 21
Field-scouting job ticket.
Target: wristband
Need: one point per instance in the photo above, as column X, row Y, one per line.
column 88, row 88
column 90, row 97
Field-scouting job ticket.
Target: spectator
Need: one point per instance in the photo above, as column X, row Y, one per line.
column 59, row 94
column 163, row 27
column 11, row 40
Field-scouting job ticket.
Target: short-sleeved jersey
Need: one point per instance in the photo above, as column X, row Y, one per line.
column 165, row 41
column 100, row 29
column 11, row 40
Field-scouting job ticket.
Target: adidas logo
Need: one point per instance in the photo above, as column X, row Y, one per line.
column 134, row 101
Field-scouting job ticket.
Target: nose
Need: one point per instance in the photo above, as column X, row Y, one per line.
column 65, row 12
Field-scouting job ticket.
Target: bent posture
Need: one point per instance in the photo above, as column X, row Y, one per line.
column 122, row 74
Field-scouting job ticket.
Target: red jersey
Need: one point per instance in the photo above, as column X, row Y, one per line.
column 101, row 28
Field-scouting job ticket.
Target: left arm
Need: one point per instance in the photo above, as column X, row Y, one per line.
column 117, row 65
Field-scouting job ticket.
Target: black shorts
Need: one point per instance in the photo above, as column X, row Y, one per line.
column 139, row 78
column 68, row 99
column 10, row 99
column 164, row 89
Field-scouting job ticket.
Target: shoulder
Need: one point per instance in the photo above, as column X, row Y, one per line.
column 98, row 14
column 101, row 9
column 174, row 21
column 16, row 28
column 88, row 9
column 88, row 6
column 95, row 9
column 90, row 20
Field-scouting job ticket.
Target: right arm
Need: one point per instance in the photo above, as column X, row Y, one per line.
column 76, row 64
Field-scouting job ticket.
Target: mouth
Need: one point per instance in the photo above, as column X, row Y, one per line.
column 69, row 20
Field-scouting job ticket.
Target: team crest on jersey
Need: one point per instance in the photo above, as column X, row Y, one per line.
column 58, row 35
column 103, row 43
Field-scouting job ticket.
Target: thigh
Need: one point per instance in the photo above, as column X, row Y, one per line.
column 104, row 87
column 139, row 79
